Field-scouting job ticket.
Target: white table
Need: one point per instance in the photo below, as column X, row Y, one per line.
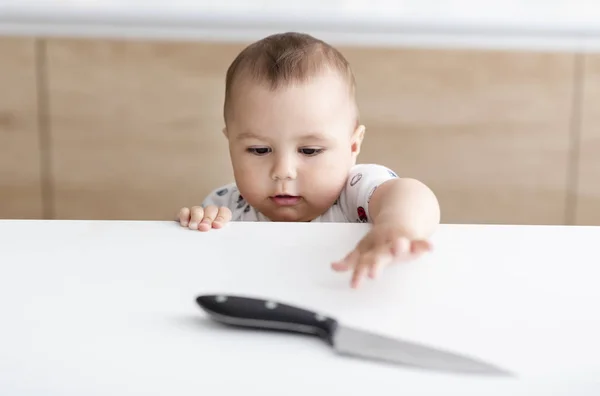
column 99, row 308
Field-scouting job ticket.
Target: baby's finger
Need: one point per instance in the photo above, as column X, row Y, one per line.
column 347, row 262
column 210, row 213
column 365, row 262
column 223, row 216
column 376, row 267
column 197, row 213
column 401, row 247
column 421, row 246
column 381, row 258
column 359, row 273
column 184, row 217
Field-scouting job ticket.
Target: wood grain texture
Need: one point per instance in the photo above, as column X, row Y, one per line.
column 20, row 179
column 136, row 126
column 588, row 184
column 489, row 132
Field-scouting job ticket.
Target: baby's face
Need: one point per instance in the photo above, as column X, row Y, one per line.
column 291, row 149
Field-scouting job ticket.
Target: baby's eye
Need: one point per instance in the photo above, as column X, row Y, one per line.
column 259, row 150
column 311, row 151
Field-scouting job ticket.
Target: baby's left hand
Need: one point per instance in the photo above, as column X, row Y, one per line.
column 382, row 245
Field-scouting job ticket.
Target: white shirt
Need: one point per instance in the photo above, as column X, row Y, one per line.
column 351, row 206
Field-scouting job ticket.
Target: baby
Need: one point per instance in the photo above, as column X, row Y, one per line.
column 292, row 123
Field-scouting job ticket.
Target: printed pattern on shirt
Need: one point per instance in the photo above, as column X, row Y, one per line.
column 364, row 179
column 351, row 206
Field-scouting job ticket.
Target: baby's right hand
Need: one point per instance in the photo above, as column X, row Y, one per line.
column 203, row 219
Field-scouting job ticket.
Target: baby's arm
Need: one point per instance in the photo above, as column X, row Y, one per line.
column 404, row 213
column 408, row 205
column 375, row 194
column 213, row 213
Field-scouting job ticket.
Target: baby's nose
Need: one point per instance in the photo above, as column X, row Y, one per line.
column 285, row 168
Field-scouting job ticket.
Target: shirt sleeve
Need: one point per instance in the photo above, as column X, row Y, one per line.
column 229, row 196
column 223, row 196
column 362, row 182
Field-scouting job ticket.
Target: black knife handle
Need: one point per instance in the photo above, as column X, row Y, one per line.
column 266, row 314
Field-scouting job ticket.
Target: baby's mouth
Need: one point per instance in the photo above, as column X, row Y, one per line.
column 285, row 199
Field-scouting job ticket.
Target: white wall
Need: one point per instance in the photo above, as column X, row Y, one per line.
column 528, row 24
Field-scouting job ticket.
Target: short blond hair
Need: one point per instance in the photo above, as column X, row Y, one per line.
column 285, row 58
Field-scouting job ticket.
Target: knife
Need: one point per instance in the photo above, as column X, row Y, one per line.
column 272, row 315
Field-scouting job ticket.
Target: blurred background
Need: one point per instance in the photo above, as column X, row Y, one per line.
column 113, row 109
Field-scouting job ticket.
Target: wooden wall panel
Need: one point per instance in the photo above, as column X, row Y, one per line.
column 20, row 175
column 136, row 126
column 588, row 184
column 488, row 131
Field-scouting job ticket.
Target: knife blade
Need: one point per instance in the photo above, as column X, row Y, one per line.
column 259, row 313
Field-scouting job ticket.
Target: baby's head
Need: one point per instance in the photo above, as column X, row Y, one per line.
column 292, row 123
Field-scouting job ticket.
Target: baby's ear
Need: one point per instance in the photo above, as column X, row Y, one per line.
column 357, row 139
